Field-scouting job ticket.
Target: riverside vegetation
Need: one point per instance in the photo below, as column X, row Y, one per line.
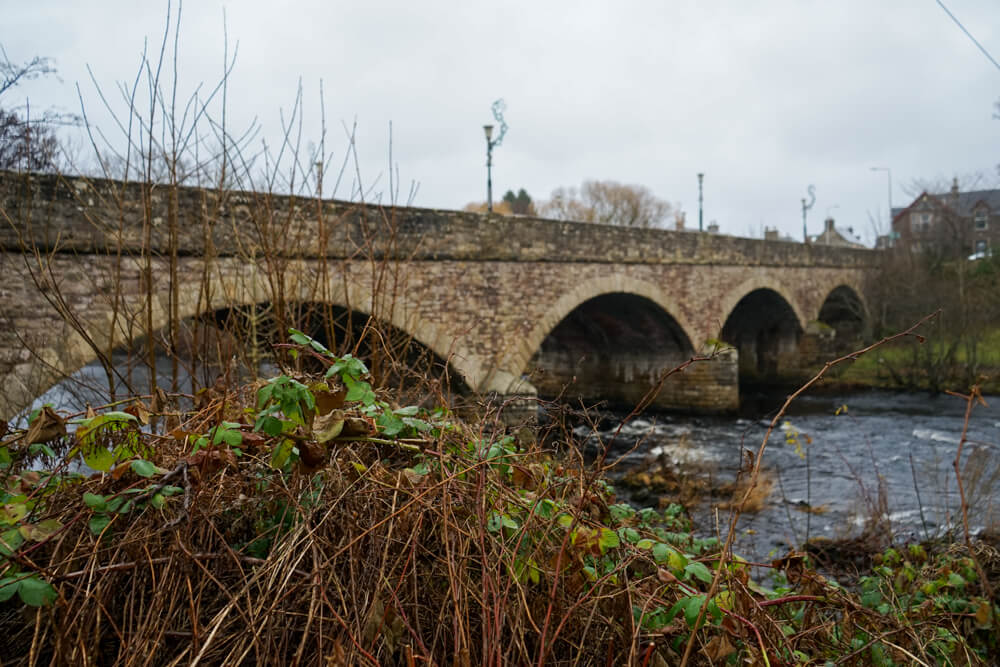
column 328, row 514
column 310, row 519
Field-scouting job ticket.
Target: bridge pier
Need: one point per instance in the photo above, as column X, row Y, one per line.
column 629, row 378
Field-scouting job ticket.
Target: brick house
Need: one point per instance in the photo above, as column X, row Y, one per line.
column 965, row 222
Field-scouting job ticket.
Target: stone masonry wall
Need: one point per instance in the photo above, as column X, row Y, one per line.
column 480, row 291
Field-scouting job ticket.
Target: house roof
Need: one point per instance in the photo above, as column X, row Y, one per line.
column 967, row 201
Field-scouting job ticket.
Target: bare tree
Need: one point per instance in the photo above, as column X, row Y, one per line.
column 609, row 203
column 25, row 143
column 26, row 146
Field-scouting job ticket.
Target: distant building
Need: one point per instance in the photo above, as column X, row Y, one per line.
column 833, row 236
column 775, row 235
column 965, row 222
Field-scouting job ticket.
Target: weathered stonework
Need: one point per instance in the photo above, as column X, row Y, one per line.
column 481, row 291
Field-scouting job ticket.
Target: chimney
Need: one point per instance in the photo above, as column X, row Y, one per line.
column 829, row 224
column 770, row 234
column 713, row 227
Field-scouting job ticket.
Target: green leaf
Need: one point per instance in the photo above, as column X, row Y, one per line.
column 661, row 552
column 43, row 448
column 299, row 337
column 510, row 523
column 608, row 540
column 408, row 411
column 621, row 511
column 270, row 425
column 98, row 458
column 417, row 424
column 95, row 502
column 143, row 468
column 630, row 535
column 10, row 541
column 5, row 458
column 36, row 592
column 158, row 501
column 565, row 520
column 389, row 424
column 8, row 588
column 544, row 508
column 698, row 570
column 12, row 512
column 282, row 454
column 494, row 523
column 171, row 490
column 645, row 544
column 692, row 606
column 42, row 530
column 232, row 437
column 98, row 523
column 360, row 391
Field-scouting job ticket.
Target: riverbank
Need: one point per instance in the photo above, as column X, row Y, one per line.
column 347, row 529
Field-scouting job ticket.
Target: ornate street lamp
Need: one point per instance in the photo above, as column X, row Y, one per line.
column 805, row 209
column 499, row 107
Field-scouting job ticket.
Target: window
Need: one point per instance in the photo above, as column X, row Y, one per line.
column 981, row 220
column 921, row 222
column 981, row 247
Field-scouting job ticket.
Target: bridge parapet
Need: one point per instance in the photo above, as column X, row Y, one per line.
column 85, row 215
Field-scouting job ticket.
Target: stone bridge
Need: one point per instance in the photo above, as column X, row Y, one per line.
column 515, row 305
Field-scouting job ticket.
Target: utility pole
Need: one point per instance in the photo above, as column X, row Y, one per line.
column 701, row 177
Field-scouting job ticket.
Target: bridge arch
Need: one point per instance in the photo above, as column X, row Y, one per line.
column 586, row 291
column 765, row 325
column 763, row 282
column 245, row 289
column 611, row 340
column 843, row 302
column 845, row 323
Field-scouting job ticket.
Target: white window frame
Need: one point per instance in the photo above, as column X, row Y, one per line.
column 981, row 220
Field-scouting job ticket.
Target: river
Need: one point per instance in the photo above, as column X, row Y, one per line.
column 881, row 442
column 835, row 471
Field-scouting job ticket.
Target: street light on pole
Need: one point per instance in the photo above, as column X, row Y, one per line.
column 498, row 108
column 805, row 209
column 488, row 129
column 701, row 177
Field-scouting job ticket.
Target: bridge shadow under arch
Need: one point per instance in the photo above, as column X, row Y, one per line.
column 765, row 329
column 613, row 347
column 845, row 312
column 396, row 358
column 236, row 343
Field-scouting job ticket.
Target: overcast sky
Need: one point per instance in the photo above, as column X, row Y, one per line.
column 765, row 98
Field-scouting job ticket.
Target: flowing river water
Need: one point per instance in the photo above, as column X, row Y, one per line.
column 887, row 455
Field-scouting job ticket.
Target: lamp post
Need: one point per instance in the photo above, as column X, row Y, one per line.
column 805, row 209
column 498, row 108
column 488, row 129
column 701, row 177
